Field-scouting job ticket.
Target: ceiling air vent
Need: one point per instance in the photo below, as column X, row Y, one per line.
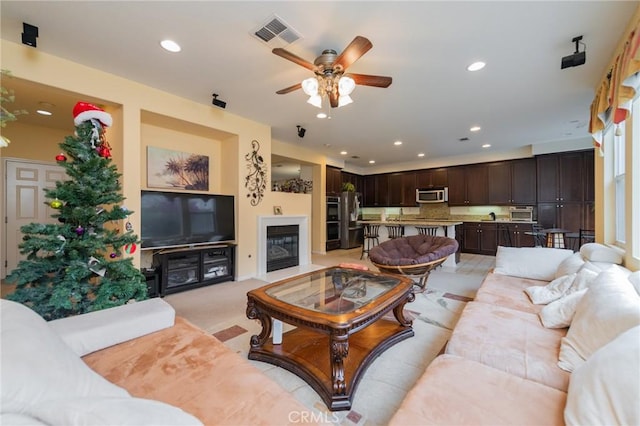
column 275, row 32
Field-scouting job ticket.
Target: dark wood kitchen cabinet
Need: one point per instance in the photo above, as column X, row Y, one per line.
column 468, row 185
column 354, row 179
column 432, row 178
column 376, row 191
column 515, row 235
column 565, row 190
column 512, row 182
column 480, row 238
column 334, row 180
column 560, row 177
column 402, row 189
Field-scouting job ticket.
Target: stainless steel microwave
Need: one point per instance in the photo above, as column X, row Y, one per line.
column 521, row 214
column 432, row 195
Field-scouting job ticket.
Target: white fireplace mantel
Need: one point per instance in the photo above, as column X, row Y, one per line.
column 281, row 220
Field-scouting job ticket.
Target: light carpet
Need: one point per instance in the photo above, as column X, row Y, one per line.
column 386, row 381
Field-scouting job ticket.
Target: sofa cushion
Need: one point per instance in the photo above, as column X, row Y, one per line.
column 188, row 368
column 570, row 265
column 634, row 278
column 605, row 389
column 112, row 411
column 509, row 340
column 100, row 329
column 560, row 313
column 537, row 263
column 458, row 391
column 610, row 307
column 596, row 252
column 38, row 366
column 507, row 291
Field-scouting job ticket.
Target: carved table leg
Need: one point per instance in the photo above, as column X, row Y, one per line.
column 339, row 351
column 398, row 311
column 254, row 313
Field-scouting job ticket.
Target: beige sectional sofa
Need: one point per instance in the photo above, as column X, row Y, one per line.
column 136, row 365
column 501, row 365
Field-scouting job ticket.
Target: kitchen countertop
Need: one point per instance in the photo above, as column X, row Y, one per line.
column 440, row 222
column 414, row 222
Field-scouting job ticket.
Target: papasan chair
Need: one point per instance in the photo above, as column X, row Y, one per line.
column 415, row 256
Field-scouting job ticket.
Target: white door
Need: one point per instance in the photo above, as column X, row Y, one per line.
column 26, row 203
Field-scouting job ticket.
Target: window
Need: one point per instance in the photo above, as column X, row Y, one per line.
column 619, row 181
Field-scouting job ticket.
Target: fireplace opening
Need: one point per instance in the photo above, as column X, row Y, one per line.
column 282, row 247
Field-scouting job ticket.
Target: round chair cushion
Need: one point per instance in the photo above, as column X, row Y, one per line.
column 413, row 250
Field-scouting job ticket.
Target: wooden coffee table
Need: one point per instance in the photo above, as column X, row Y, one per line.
column 339, row 326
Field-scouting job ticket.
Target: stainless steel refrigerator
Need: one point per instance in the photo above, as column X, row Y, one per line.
column 350, row 230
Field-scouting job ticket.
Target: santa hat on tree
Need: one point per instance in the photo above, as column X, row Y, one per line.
column 84, row 111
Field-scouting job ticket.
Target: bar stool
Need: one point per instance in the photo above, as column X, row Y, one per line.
column 504, row 236
column 427, row 230
column 395, row 231
column 371, row 238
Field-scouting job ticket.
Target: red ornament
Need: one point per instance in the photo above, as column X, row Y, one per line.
column 113, row 255
column 61, row 158
column 103, row 151
column 130, row 248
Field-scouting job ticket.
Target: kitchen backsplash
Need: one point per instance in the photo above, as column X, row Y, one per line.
column 436, row 211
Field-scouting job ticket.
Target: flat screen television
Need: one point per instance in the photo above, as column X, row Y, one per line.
column 172, row 219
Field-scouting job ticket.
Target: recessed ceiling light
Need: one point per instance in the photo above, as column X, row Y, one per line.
column 372, row 161
column 397, row 143
column 321, row 115
column 170, row 45
column 476, row 66
column 43, row 112
column 475, row 129
column 343, row 152
column 421, row 154
column 486, row 145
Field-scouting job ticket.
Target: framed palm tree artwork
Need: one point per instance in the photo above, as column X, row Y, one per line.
column 175, row 169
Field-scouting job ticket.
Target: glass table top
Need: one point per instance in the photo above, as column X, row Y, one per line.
column 333, row 290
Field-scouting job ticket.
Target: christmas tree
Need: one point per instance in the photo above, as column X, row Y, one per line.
column 78, row 265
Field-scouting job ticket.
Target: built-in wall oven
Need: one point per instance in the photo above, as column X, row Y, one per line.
column 333, row 223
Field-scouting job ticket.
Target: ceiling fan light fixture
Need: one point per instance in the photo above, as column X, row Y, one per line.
column 346, row 86
column 315, row 100
column 344, row 100
column 310, row 86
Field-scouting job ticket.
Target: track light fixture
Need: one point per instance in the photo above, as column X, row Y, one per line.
column 217, row 102
column 29, row 35
column 578, row 58
column 301, row 131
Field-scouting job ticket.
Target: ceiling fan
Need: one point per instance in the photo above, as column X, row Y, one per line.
column 331, row 78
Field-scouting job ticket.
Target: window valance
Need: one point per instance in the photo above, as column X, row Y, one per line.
column 618, row 89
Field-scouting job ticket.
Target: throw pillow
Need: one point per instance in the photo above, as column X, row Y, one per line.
column 541, row 295
column 597, row 252
column 559, row 313
column 605, row 390
column 537, row 263
column 610, row 307
column 113, row 411
column 560, row 287
column 37, row 366
column 570, row 265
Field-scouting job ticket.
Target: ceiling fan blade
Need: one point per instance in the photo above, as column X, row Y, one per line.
column 371, row 80
column 289, row 89
column 293, row 58
column 358, row 47
column 333, row 99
